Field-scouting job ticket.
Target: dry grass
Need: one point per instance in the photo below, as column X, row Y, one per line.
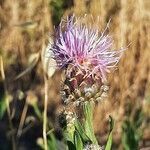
column 24, row 30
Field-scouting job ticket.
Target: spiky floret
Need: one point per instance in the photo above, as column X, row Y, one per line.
column 84, row 48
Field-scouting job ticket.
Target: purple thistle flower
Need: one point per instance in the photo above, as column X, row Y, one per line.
column 84, row 48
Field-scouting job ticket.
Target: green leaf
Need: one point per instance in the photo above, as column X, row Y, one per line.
column 78, row 141
column 69, row 135
column 88, row 124
column 109, row 140
column 52, row 144
column 3, row 107
column 37, row 111
column 71, row 146
column 81, row 131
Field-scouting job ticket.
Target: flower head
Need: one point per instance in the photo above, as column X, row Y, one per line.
column 84, row 48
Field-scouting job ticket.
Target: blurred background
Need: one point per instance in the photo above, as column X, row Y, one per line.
column 25, row 29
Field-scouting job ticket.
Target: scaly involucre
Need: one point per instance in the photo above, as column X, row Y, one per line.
column 84, row 48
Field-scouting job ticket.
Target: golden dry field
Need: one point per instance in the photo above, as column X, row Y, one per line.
column 25, row 29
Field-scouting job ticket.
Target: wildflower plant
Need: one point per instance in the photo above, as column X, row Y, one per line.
column 86, row 56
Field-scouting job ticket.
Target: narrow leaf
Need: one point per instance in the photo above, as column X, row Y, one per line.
column 78, row 141
column 70, row 145
column 88, row 125
column 109, row 140
column 81, row 131
column 3, row 107
column 52, row 142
